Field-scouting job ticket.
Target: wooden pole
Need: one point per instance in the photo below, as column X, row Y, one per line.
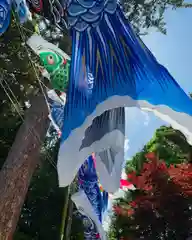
column 70, row 212
column 64, row 216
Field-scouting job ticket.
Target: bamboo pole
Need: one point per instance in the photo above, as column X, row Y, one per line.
column 70, row 213
column 64, row 215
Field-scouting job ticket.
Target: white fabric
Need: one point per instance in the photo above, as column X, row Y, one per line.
column 71, row 158
column 85, row 208
column 110, row 181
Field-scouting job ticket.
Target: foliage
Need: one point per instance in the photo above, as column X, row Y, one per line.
column 16, row 80
column 161, row 208
column 144, row 15
column 168, row 144
column 44, row 201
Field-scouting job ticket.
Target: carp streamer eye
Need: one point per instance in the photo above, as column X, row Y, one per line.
column 50, row 59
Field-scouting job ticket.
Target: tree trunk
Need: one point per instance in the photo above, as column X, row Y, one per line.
column 20, row 164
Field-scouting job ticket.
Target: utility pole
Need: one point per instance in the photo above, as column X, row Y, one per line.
column 20, row 165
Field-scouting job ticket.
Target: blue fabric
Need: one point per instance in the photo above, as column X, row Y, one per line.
column 105, row 200
column 88, row 181
column 90, row 230
column 57, row 112
column 82, row 14
column 5, row 14
column 108, row 59
column 21, row 10
column 118, row 63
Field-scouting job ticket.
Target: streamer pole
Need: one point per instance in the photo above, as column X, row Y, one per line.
column 70, row 211
column 64, row 215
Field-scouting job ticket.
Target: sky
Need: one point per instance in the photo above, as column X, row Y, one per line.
column 174, row 51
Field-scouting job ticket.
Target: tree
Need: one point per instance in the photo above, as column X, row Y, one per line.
column 20, row 164
column 168, row 144
column 161, row 208
column 144, row 15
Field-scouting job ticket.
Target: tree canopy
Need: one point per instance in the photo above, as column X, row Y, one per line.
column 144, row 15
column 168, row 144
column 161, row 206
column 161, row 173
